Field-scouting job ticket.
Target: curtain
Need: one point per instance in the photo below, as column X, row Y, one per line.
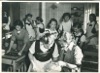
column 88, row 9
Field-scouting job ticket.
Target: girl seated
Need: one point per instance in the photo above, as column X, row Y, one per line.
column 71, row 55
column 92, row 31
column 79, row 34
column 41, row 53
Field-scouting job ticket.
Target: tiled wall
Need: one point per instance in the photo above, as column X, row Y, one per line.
column 29, row 7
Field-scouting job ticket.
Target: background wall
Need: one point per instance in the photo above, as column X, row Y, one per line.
column 49, row 10
column 28, row 7
column 54, row 10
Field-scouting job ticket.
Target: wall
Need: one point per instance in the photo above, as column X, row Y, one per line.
column 14, row 11
column 29, row 7
column 54, row 10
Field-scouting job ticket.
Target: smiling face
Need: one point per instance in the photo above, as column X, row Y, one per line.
column 76, row 29
column 66, row 18
column 18, row 28
column 29, row 18
column 38, row 22
column 53, row 25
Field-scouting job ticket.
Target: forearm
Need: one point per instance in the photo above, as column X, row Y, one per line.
column 55, row 59
column 69, row 65
column 11, row 44
column 23, row 48
column 81, row 44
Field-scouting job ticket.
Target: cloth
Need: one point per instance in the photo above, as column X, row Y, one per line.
column 66, row 26
column 40, row 65
column 43, row 49
column 72, row 54
column 53, row 35
column 30, row 30
column 40, row 27
column 39, row 30
column 43, row 55
column 79, row 37
column 90, row 25
column 21, row 38
column 53, row 67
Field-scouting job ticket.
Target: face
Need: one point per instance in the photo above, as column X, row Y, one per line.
column 38, row 22
column 76, row 29
column 29, row 18
column 91, row 18
column 18, row 28
column 66, row 18
column 53, row 25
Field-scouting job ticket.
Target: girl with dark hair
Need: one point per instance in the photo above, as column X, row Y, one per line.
column 50, row 23
column 19, row 39
column 66, row 23
column 92, row 30
column 52, row 29
column 39, row 27
column 78, row 34
column 28, row 24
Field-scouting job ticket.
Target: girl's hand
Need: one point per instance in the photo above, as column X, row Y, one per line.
column 61, row 63
column 8, row 51
column 20, row 53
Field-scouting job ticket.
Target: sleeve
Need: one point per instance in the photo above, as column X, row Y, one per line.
column 26, row 26
column 96, row 27
column 87, row 27
column 83, row 38
column 13, row 38
column 32, row 48
column 26, row 37
column 41, row 26
column 9, row 20
column 72, row 23
column 55, row 53
column 60, row 27
column 78, row 55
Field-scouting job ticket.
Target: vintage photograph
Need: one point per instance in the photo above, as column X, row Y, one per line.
column 49, row 0
column 50, row 36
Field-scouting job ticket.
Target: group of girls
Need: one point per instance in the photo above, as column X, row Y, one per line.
column 60, row 44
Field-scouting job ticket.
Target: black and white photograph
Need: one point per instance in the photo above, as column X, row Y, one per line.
column 50, row 36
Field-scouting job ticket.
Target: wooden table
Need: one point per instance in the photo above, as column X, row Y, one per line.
column 13, row 60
